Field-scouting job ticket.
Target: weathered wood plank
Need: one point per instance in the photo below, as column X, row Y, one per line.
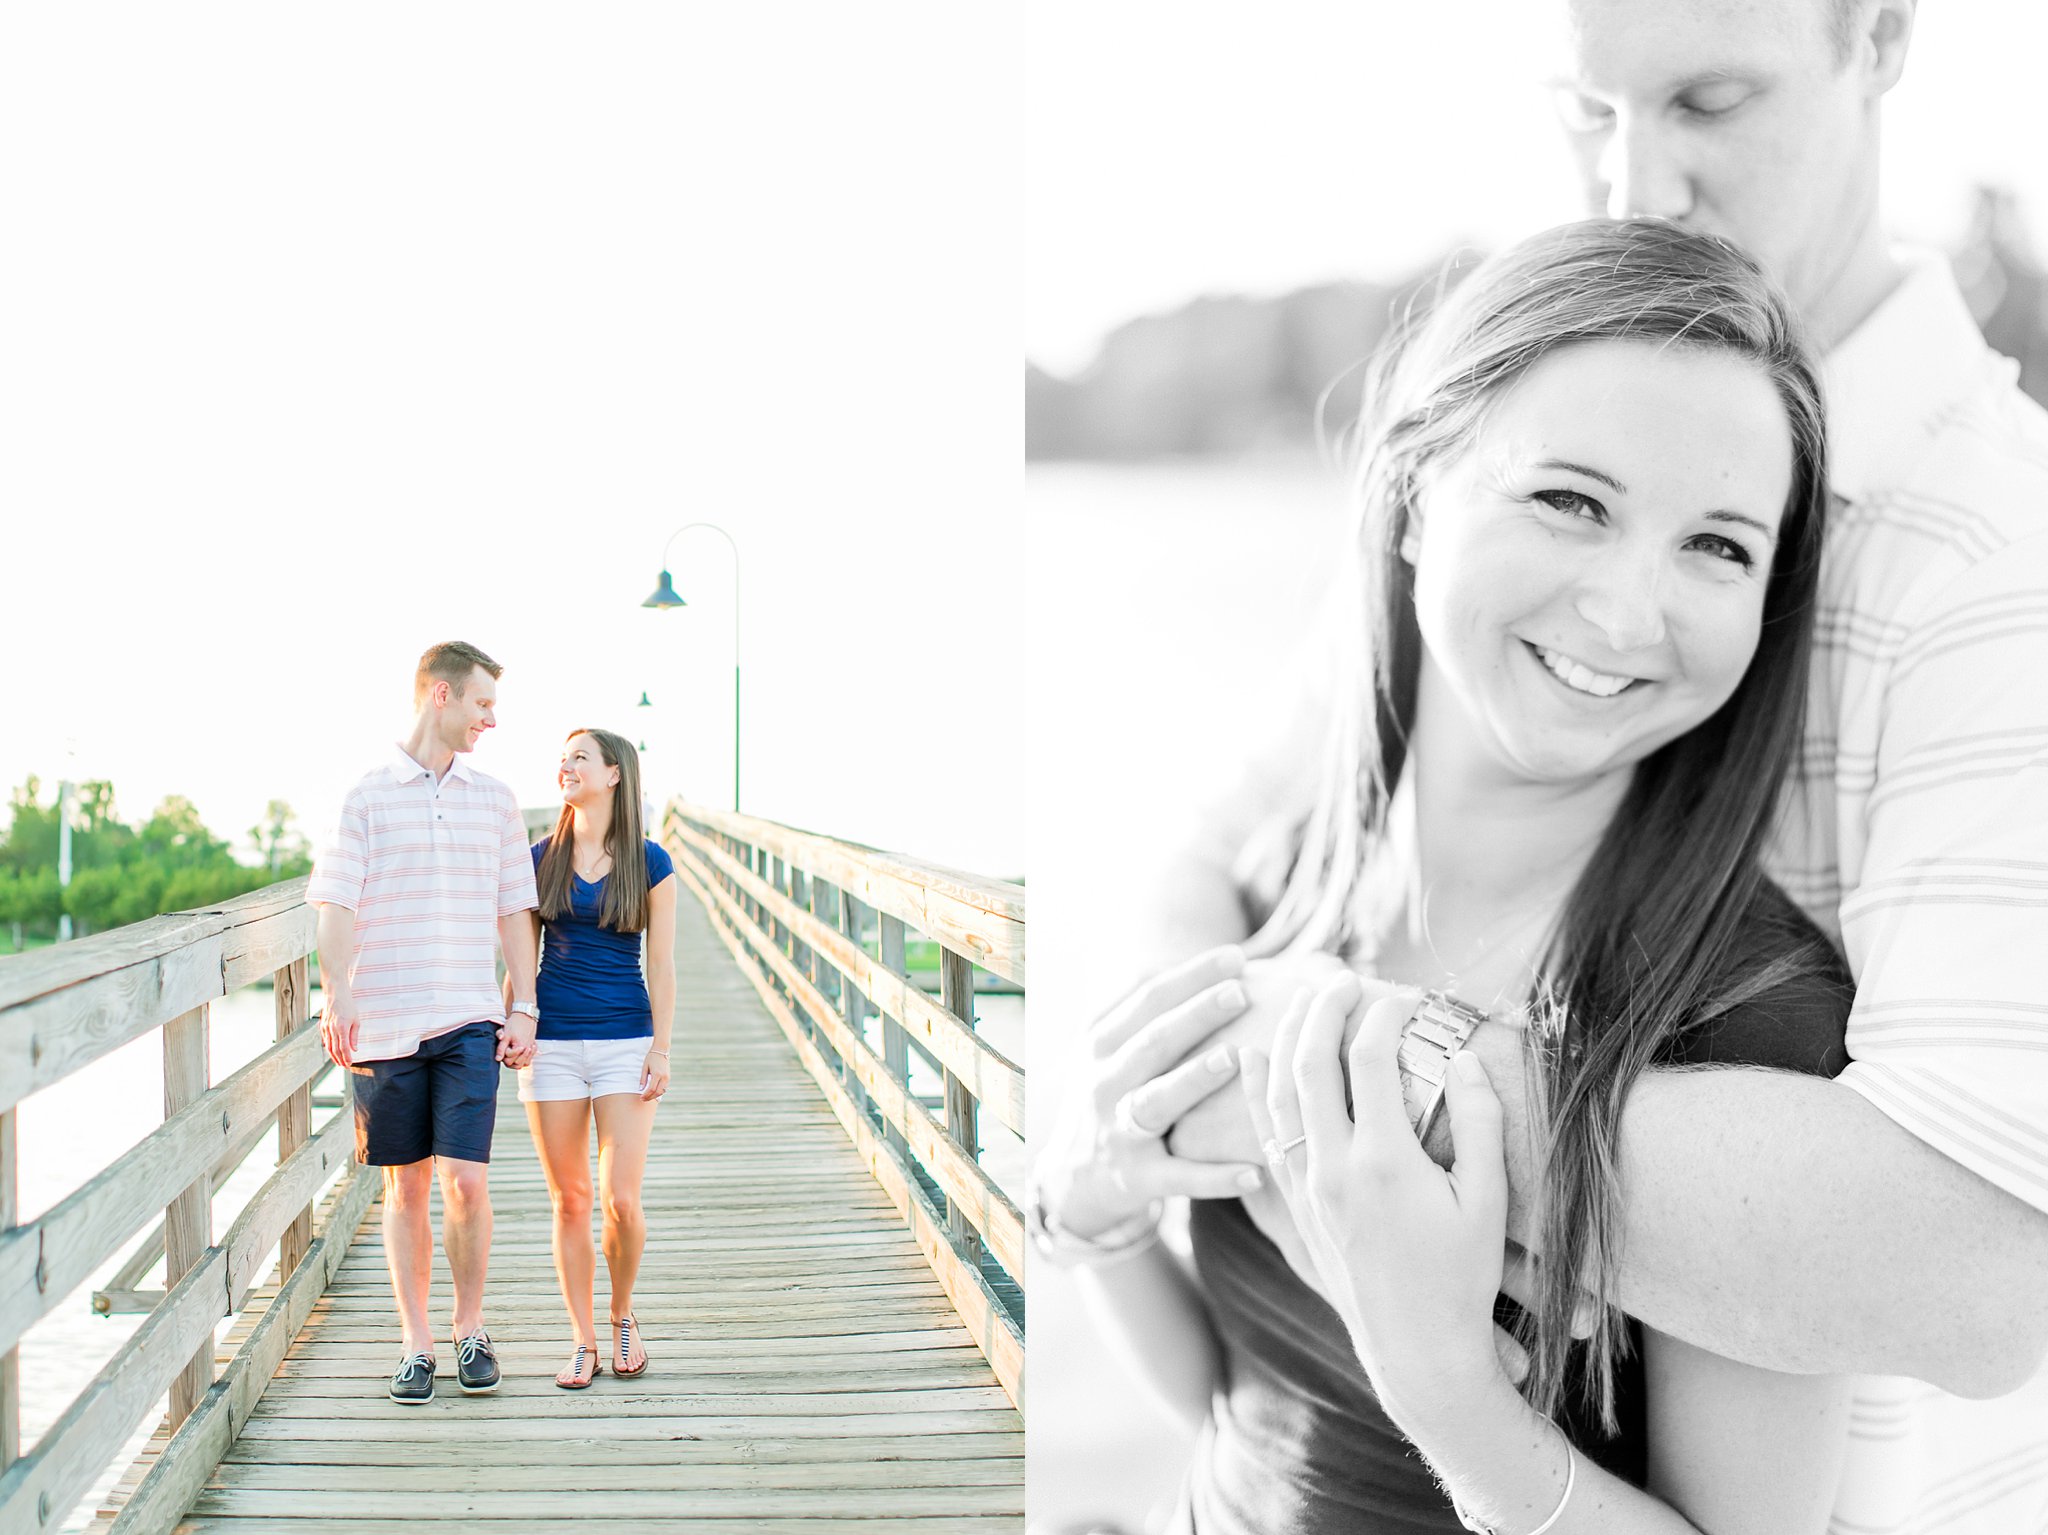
column 188, row 1218
column 668, row 1478
column 292, row 998
column 595, row 1447
column 42, row 1263
column 540, row 1496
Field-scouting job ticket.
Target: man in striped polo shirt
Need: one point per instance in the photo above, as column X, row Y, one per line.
column 1892, row 1223
column 425, row 875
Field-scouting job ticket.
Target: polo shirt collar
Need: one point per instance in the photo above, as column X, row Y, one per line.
column 405, row 770
column 1889, row 380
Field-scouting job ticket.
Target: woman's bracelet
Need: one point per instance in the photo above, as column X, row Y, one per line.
column 1571, row 1477
column 652, row 1051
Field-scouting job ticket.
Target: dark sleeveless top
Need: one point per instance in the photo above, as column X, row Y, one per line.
column 1299, row 1445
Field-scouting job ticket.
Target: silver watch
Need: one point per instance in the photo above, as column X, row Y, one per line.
column 531, row 1009
column 1437, row 1031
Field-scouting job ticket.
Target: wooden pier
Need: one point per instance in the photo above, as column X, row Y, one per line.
column 835, row 1341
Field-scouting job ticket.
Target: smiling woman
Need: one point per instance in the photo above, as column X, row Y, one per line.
column 1571, row 668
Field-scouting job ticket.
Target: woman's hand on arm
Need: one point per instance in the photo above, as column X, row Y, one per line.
column 661, row 985
column 1412, row 1257
column 1143, row 1067
column 1104, row 1174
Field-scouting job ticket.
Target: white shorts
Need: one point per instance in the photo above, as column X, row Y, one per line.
column 583, row 1068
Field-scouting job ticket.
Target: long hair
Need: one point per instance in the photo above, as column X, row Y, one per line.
column 1642, row 947
column 625, row 891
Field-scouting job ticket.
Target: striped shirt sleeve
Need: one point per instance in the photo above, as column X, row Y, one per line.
column 1947, row 930
column 516, row 890
column 344, row 858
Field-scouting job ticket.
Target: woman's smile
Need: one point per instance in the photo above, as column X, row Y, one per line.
column 1578, row 676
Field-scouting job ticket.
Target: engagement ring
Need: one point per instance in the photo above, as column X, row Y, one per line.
column 1276, row 1154
column 1127, row 1120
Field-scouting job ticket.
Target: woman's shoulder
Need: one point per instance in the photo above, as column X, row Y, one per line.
column 659, row 865
column 1782, row 996
column 539, row 850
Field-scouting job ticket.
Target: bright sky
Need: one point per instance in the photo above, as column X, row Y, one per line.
column 1176, row 148
column 332, row 333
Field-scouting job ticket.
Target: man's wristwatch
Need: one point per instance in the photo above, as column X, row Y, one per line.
column 1437, row 1031
column 531, row 1009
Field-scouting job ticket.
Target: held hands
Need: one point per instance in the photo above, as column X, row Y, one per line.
column 1106, row 1161
column 653, row 1075
column 515, row 1039
column 1410, row 1256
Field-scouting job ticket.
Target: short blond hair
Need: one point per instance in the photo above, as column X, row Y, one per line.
column 451, row 662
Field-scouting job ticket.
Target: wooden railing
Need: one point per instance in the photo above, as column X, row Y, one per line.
column 68, row 1006
column 821, row 927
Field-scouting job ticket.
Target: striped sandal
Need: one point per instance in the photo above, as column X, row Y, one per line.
column 628, row 1330
column 586, row 1354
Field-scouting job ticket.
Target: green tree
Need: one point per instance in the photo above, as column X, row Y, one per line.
column 93, row 897
column 278, row 842
column 176, row 837
column 28, row 901
column 31, row 830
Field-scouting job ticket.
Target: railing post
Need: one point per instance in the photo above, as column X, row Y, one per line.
column 956, row 992
column 895, row 1042
column 10, row 1364
column 188, row 1219
column 295, row 1114
column 824, row 905
column 852, row 1005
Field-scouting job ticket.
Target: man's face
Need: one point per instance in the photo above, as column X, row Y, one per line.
column 465, row 717
column 1733, row 117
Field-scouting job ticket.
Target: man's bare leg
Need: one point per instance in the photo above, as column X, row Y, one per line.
column 466, row 1234
column 409, row 1249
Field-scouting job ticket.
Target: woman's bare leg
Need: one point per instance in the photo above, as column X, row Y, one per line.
column 625, row 1122
column 561, row 1133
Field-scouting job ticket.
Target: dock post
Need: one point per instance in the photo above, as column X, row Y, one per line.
column 889, row 945
column 295, row 1114
column 956, row 991
column 188, row 1219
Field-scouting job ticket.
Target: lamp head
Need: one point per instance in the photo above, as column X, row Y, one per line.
column 664, row 595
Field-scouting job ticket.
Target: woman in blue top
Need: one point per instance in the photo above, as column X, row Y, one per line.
column 602, row 1047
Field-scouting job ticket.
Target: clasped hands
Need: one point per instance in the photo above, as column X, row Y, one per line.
column 1193, row 1087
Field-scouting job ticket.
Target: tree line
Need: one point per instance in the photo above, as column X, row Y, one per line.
column 122, row 873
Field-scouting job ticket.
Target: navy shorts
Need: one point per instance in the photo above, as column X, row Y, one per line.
column 440, row 1101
